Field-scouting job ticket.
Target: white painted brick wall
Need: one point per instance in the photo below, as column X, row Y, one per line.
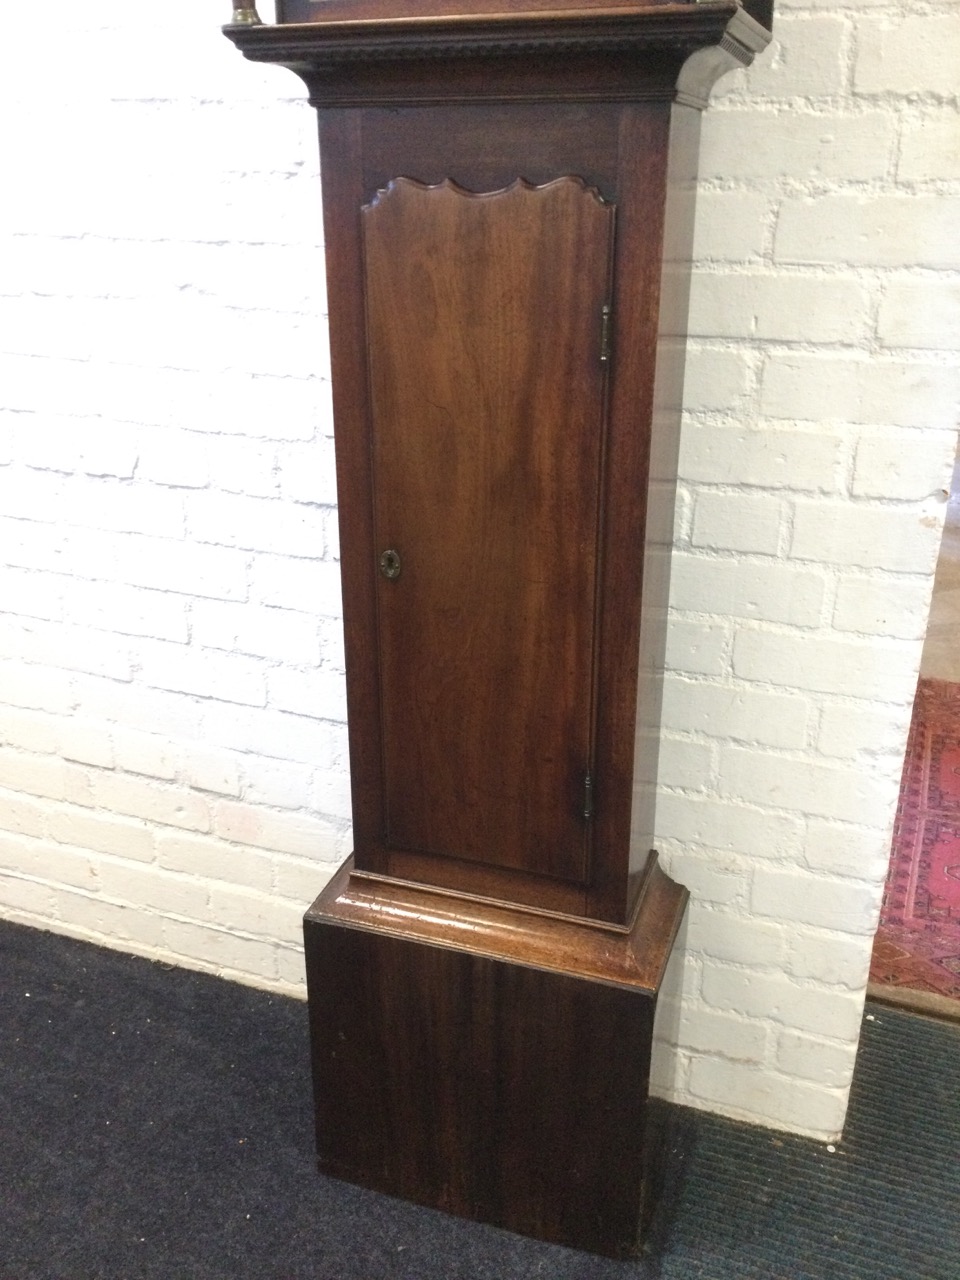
column 173, row 762
column 801, row 585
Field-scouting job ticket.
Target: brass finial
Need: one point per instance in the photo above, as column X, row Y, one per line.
column 245, row 14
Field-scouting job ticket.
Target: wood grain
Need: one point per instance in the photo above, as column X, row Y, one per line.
column 489, row 1063
column 487, row 393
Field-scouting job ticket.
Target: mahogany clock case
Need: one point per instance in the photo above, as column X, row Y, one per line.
column 508, row 213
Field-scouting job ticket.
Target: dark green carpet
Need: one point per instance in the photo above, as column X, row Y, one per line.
column 157, row 1123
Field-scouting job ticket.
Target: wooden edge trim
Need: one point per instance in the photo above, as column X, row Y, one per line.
column 635, row 960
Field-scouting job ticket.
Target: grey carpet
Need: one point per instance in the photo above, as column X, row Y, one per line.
column 157, row 1124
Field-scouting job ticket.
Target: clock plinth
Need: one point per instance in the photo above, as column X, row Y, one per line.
column 508, row 199
column 489, row 1063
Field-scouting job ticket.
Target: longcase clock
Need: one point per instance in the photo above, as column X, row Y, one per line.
column 507, row 204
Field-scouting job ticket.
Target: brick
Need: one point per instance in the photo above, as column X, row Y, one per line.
column 928, row 149
column 847, row 665
column 820, row 1010
column 246, row 467
column 330, row 793
column 153, row 889
column 730, row 825
column 846, row 906
column 118, row 703
column 737, row 1039
column 331, row 644
column 27, row 771
column 815, row 1059
column 845, row 850
column 106, row 450
column 22, row 814
column 921, row 313
column 731, row 226
column 777, row 720
column 183, row 668
column 216, row 573
column 113, row 924
column 153, row 801
column 61, row 645
column 882, row 230
column 884, row 606
column 210, row 770
column 282, row 832
column 284, row 634
column 151, row 754
column 288, row 583
column 132, row 611
column 222, row 950
column 738, row 522
column 33, row 545
column 839, row 389
column 101, row 832
column 733, row 937
column 918, row 54
column 42, row 860
column 31, row 593
column 888, row 465
column 257, row 524
column 266, row 915
column 806, row 61
column 213, row 859
column 87, row 742
column 291, row 968
column 331, row 528
column 821, row 147
column 29, row 493
column 122, row 507
column 307, row 473
column 746, row 588
column 277, row 734
column 315, row 693
column 742, row 1091
column 301, row 881
column 855, row 731
column 709, row 879
column 714, row 379
column 841, row 961
column 684, row 763
column 698, row 648
column 897, row 539
column 280, row 784
column 779, row 307
column 175, row 458
column 26, row 897
column 278, row 408
column 825, row 789
column 773, row 457
column 29, row 730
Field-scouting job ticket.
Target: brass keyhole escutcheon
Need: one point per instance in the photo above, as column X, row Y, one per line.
column 390, row 565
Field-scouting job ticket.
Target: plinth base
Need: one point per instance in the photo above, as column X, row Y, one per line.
column 489, row 1062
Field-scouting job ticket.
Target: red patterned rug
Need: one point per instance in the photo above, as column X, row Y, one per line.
column 918, row 943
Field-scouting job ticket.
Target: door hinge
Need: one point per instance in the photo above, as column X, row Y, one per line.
column 588, row 797
column 606, row 333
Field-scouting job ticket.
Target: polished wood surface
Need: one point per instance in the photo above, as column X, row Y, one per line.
column 296, row 11
column 483, row 973
column 519, row 488
column 484, row 324
column 359, row 149
column 634, row 957
column 490, row 1063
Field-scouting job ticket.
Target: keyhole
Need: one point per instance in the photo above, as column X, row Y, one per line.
column 390, row 565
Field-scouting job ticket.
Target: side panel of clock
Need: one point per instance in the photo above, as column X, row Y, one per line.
column 541, row 402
